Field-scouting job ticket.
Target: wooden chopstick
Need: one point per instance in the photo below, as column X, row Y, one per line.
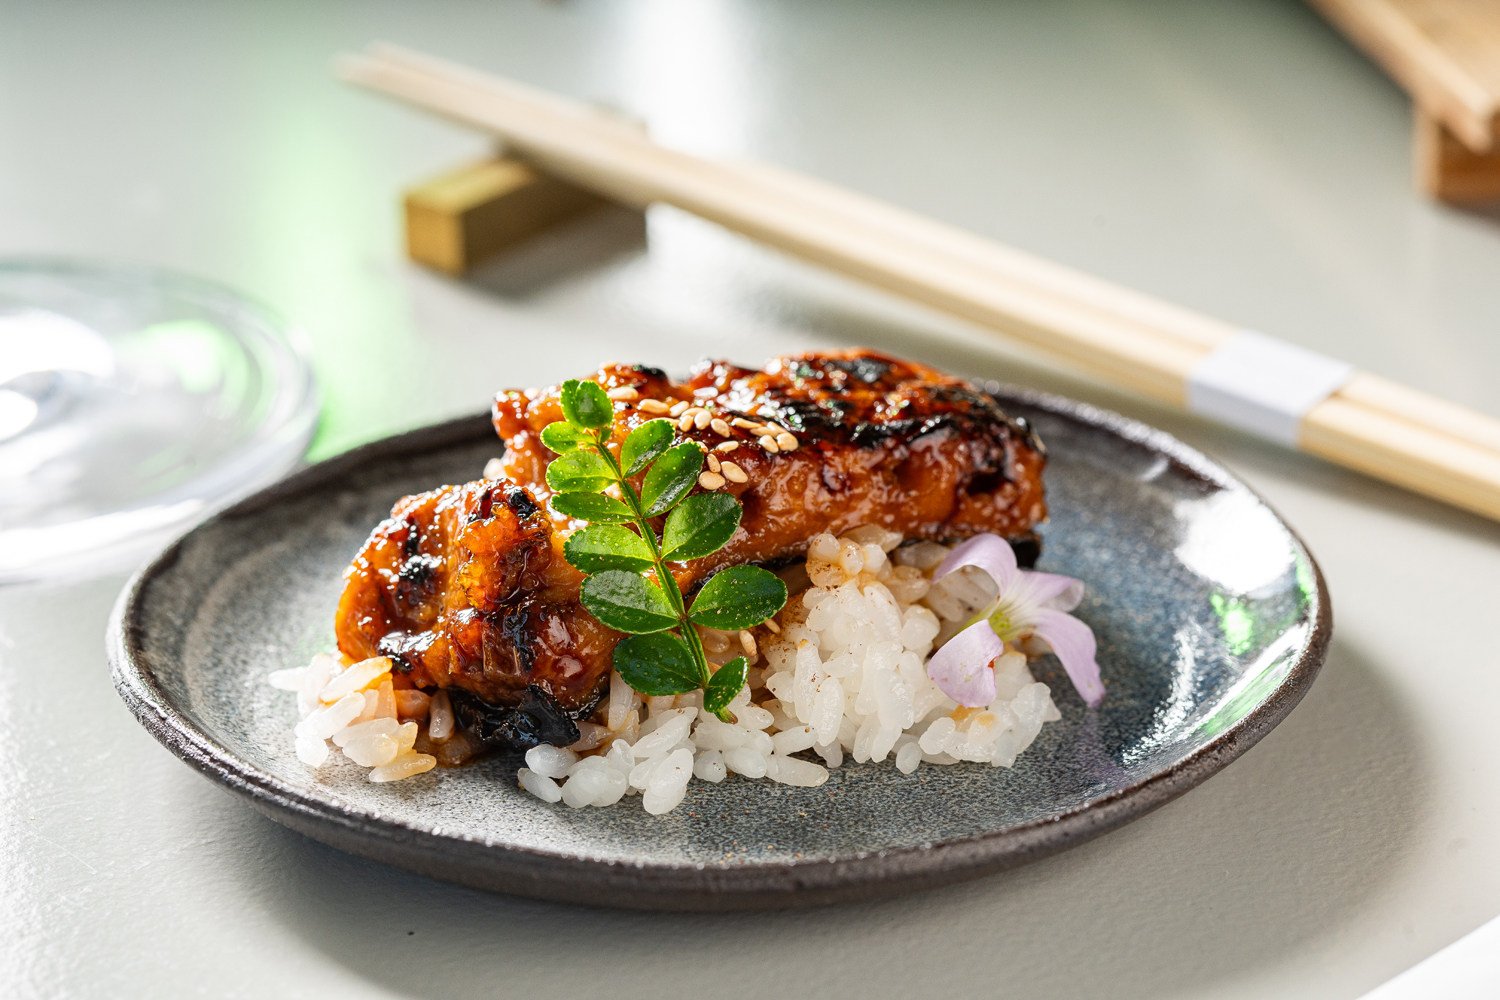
column 1118, row 336
column 1001, row 263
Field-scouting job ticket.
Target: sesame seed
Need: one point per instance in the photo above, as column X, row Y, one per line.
column 624, row 394
column 742, row 422
column 710, row 480
column 720, row 426
column 652, row 406
column 770, row 623
column 713, row 463
column 732, row 472
column 702, row 418
column 678, row 407
column 747, row 643
column 786, row 442
column 769, row 443
column 727, row 446
column 706, row 392
column 685, row 422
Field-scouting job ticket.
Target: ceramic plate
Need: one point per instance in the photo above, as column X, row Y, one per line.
column 1212, row 621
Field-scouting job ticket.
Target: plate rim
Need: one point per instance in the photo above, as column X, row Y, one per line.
column 537, row 873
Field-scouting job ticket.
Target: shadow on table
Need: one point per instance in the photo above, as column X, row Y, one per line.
column 1259, row 863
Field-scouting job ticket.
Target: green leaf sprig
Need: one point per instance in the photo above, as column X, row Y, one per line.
column 628, row 586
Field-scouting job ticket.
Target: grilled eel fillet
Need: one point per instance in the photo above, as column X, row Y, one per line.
column 466, row 588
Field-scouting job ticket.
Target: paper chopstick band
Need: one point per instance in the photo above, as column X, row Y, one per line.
column 1263, row 385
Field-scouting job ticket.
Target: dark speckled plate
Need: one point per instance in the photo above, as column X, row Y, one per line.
column 1211, row 615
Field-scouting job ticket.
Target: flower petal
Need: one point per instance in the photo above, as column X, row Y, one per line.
column 1054, row 591
column 1030, row 592
column 1073, row 643
column 990, row 553
column 961, row 666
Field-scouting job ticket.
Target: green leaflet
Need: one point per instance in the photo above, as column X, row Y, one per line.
column 585, row 404
column 595, row 507
column 725, row 684
column 579, row 472
column 669, row 480
column 607, row 546
column 628, row 602
column 700, row 525
column 561, row 436
column 644, row 444
column 738, row 597
column 657, row 664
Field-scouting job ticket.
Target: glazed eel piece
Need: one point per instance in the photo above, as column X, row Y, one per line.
column 466, row 588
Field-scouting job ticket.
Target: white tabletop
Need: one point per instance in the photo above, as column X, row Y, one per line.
column 1241, row 159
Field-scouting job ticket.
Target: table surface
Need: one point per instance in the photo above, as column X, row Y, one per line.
column 1240, row 159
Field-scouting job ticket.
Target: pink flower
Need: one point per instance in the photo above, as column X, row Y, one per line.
column 1029, row 605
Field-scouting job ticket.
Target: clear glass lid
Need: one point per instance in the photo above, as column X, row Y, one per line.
column 133, row 402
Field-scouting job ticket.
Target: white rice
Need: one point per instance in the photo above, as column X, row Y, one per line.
column 355, row 707
column 842, row 676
